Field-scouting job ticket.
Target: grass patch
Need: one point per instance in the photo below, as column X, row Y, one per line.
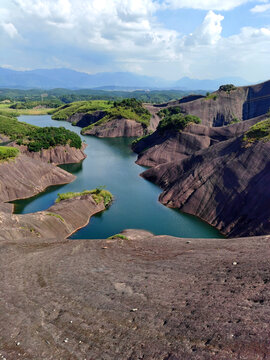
column 118, row 236
column 7, row 152
column 36, row 138
column 88, row 107
column 8, row 110
column 56, row 215
column 99, row 194
column 258, row 132
column 211, row 97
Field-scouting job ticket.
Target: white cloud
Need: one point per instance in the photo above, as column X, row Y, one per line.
column 260, row 8
column 205, row 4
column 10, row 29
column 59, row 11
column 125, row 27
column 209, row 32
column 98, row 35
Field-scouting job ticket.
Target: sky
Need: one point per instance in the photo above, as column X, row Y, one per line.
column 202, row 39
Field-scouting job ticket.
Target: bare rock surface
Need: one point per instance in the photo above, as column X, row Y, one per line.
column 162, row 147
column 83, row 119
column 117, row 128
column 60, row 220
column 155, row 119
column 61, row 154
column 227, row 185
column 25, row 177
column 153, row 298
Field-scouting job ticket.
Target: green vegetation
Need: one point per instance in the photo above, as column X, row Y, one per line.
column 258, row 132
column 7, row 109
column 118, row 236
column 99, row 194
column 66, row 96
column 169, row 111
column 127, row 109
column 211, row 97
column 172, row 118
column 88, row 107
column 56, row 215
column 8, row 112
column 134, row 142
column 235, row 120
column 33, row 104
column 36, row 138
column 7, row 152
column 228, row 88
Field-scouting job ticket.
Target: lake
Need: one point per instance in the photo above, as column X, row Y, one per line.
column 111, row 162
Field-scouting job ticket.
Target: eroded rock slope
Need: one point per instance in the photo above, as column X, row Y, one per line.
column 226, row 185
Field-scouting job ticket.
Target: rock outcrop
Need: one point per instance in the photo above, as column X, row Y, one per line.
column 117, row 128
column 24, row 177
column 84, row 119
column 149, row 297
column 221, row 107
column 61, row 154
column 227, row 185
column 29, row 174
column 60, row 220
column 161, row 147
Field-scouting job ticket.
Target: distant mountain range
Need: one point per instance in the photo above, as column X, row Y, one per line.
column 71, row 79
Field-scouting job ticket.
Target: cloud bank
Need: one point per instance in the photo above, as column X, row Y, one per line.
column 104, row 35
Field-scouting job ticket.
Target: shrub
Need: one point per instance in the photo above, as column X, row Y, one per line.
column 169, row 111
column 227, row 88
column 258, row 132
column 98, row 194
column 7, row 152
column 177, row 122
column 118, row 236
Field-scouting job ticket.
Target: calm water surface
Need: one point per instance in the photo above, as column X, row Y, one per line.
column 111, row 162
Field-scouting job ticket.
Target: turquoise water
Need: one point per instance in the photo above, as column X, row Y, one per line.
column 111, row 162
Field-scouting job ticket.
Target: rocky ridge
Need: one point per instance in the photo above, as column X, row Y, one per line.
column 161, row 147
column 222, row 107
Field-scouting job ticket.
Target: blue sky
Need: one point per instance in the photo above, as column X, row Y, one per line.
column 166, row 38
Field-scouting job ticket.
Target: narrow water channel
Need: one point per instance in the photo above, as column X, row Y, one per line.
column 111, row 162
